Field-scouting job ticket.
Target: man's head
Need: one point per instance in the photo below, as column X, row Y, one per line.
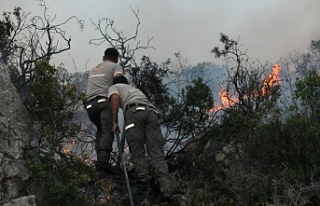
column 111, row 54
column 120, row 79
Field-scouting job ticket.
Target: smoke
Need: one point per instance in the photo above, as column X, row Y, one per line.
column 273, row 32
column 269, row 29
column 9, row 6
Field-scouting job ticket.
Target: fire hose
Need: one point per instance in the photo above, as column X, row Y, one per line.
column 120, row 148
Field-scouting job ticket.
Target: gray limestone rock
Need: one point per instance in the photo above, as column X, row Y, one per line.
column 22, row 201
column 14, row 138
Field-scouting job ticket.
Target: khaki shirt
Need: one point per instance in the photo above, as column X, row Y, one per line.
column 101, row 78
column 128, row 95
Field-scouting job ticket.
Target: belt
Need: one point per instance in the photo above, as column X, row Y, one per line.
column 128, row 106
column 97, row 98
column 100, row 99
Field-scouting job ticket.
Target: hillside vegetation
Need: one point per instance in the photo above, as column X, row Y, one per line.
column 256, row 142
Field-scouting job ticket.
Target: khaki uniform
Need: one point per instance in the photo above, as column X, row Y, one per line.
column 142, row 130
column 98, row 107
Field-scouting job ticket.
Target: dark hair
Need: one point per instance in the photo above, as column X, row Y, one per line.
column 120, row 79
column 113, row 52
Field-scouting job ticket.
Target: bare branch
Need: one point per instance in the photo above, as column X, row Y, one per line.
column 115, row 38
column 40, row 38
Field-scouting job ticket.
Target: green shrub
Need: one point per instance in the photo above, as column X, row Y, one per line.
column 60, row 181
column 52, row 101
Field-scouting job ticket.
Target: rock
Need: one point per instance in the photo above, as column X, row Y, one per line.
column 22, row 201
column 179, row 200
column 14, row 138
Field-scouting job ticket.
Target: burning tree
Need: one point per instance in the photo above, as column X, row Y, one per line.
column 248, row 94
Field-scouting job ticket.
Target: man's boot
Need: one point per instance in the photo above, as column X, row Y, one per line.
column 104, row 169
column 143, row 193
column 165, row 197
column 165, row 190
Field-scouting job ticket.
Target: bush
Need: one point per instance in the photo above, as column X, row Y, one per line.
column 59, row 181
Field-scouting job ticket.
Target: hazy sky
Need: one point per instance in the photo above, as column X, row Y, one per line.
column 268, row 29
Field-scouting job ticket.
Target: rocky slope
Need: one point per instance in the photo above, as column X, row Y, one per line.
column 14, row 137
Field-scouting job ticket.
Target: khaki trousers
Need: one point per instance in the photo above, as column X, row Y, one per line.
column 144, row 136
column 99, row 111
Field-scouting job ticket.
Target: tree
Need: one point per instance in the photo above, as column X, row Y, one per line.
column 315, row 48
column 250, row 94
column 182, row 108
column 296, row 66
column 118, row 40
column 191, row 116
column 52, row 101
column 6, row 36
column 308, row 90
column 149, row 77
column 27, row 40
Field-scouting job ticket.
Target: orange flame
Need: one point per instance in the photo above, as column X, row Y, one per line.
column 226, row 99
column 65, row 151
column 272, row 80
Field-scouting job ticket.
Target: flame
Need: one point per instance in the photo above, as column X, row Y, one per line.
column 272, row 79
column 101, row 200
column 68, row 148
column 227, row 100
column 66, row 151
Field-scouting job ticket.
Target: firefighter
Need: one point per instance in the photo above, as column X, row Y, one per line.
column 143, row 135
column 98, row 108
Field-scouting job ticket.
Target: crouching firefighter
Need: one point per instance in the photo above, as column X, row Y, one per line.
column 143, row 135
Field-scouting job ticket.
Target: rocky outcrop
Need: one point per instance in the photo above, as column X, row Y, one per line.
column 14, row 138
column 22, row 201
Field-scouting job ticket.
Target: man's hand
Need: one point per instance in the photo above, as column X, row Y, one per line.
column 115, row 101
column 115, row 128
